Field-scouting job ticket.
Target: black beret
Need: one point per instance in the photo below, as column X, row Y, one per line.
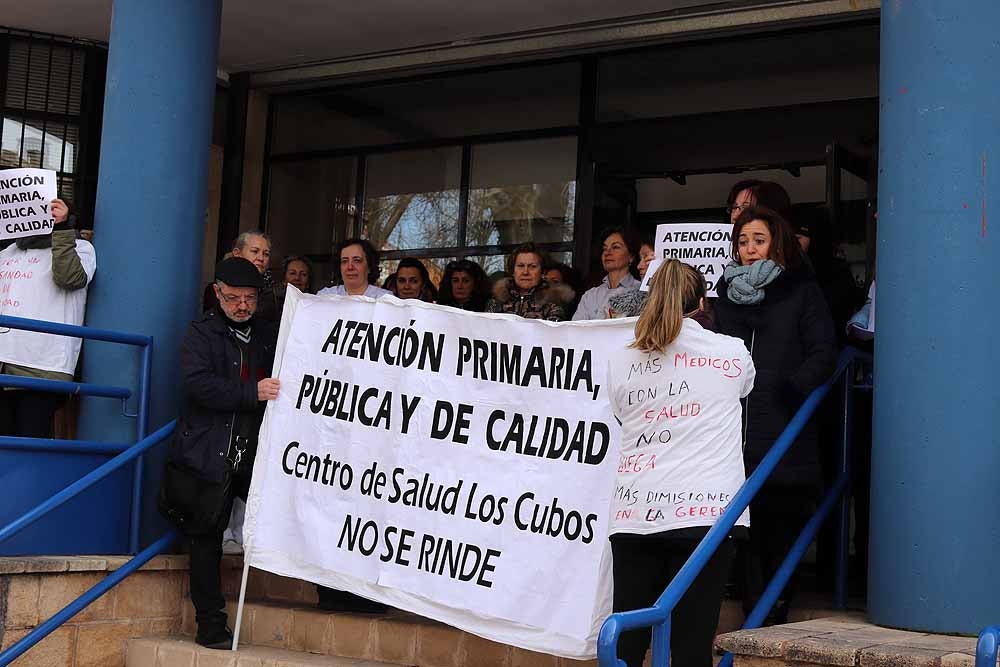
column 238, row 272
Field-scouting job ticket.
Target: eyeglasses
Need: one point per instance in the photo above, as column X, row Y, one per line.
column 738, row 207
column 233, row 299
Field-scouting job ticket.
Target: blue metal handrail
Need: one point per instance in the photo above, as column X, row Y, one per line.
column 87, row 481
column 75, row 331
column 62, row 387
column 43, row 630
column 658, row 616
column 68, row 446
column 987, row 646
column 86, row 389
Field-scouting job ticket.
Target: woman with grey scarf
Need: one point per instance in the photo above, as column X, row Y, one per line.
column 769, row 297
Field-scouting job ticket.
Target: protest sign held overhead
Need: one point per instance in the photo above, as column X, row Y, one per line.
column 456, row 465
column 25, row 198
column 707, row 247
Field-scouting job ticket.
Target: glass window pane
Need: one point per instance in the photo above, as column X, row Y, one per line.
column 741, row 73
column 520, row 98
column 24, row 141
column 497, row 263
column 411, row 199
column 310, row 204
column 522, row 191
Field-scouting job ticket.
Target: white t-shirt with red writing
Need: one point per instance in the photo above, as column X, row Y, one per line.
column 681, row 459
column 27, row 290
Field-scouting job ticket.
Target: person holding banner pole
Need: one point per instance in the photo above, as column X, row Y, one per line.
column 676, row 391
column 617, row 252
column 226, row 361
column 42, row 277
column 769, row 297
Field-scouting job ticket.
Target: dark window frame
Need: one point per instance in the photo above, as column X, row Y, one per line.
column 587, row 124
column 90, row 60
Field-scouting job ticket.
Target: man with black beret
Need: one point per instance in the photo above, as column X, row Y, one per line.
column 226, row 360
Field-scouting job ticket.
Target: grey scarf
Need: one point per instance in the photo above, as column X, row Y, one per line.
column 745, row 284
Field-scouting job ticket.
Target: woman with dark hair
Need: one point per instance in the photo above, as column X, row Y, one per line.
column 740, row 197
column 558, row 273
column 618, row 249
column 769, row 297
column 413, row 281
column 759, row 194
column 356, row 271
column 297, row 271
column 526, row 294
column 464, row 285
column 631, row 302
column 703, row 457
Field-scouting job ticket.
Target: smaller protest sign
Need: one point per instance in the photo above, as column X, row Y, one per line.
column 25, row 198
column 705, row 246
column 650, row 270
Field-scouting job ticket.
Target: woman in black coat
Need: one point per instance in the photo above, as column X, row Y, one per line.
column 769, row 297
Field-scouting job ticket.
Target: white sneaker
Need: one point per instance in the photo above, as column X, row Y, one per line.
column 232, row 547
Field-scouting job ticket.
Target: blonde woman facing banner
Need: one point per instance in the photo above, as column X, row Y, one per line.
column 676, row 391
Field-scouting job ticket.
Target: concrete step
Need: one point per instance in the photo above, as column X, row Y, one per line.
column 171, row 652
column 266, row 587
column 395, row 637
column 845, row 641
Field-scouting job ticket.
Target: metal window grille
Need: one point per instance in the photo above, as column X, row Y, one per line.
column 42, row 79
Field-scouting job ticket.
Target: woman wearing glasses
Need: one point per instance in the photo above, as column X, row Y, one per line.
column 464, row 285
column 762, row 194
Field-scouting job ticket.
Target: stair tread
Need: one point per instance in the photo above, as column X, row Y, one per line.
column 178, row 652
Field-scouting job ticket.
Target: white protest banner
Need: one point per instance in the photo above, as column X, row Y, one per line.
column 456, row 465
column 707, row 247
column 25, row 195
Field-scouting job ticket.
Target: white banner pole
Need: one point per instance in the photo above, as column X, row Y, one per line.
column 243, row 596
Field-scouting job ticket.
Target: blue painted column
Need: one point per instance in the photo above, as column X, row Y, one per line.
column 151, row 205
column 935, row 536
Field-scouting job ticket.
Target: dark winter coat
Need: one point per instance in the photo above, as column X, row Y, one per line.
column 791, row 339
column 544, row 302
column 843, row 295
column 215, row 395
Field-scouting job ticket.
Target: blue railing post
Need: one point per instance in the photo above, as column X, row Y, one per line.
column 661, row 644
column 142, row 427
column 986, row 647
column 843, row 537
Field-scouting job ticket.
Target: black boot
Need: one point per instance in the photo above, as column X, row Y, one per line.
column 215, row 634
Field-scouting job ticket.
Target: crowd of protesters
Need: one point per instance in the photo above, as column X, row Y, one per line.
column 784, row 303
